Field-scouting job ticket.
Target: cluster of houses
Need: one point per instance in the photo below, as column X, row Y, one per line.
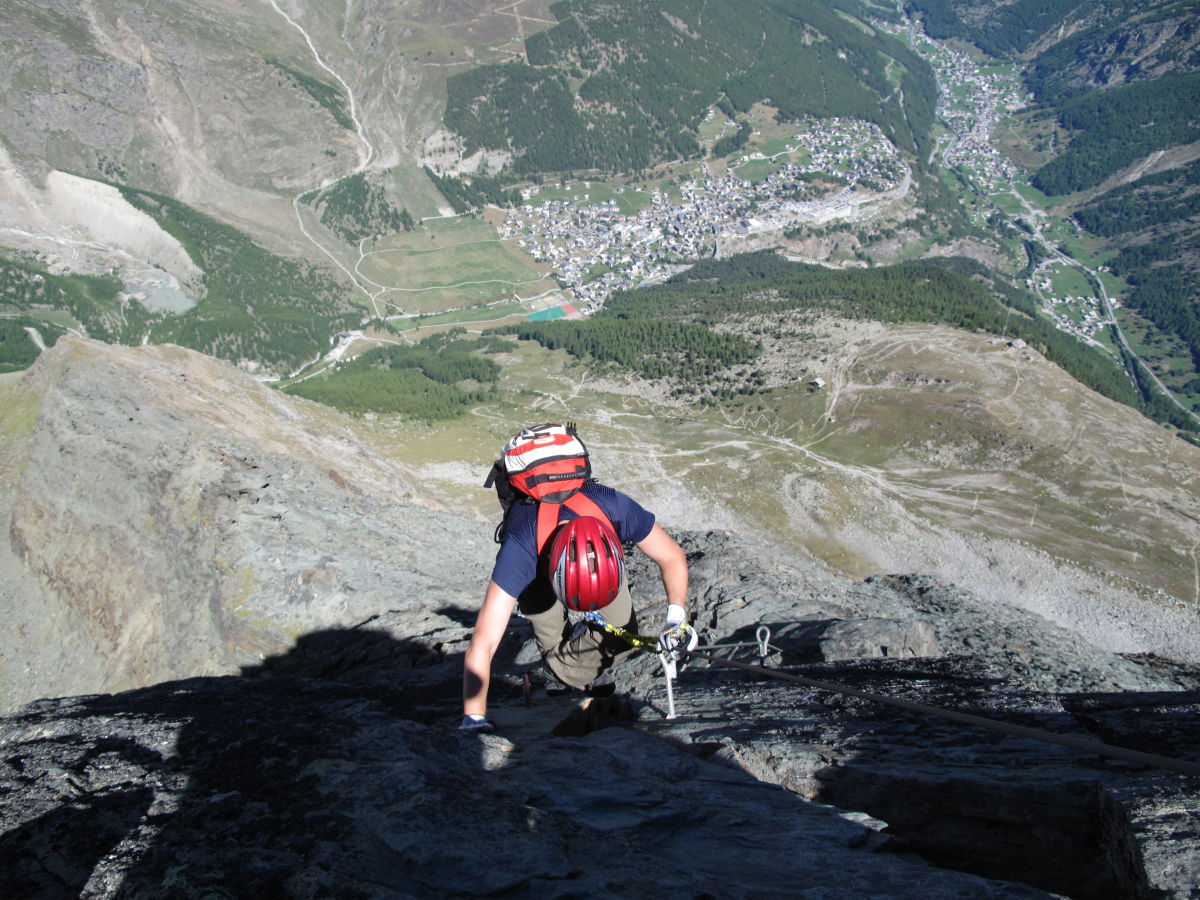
column 856, row 150
column 1080, row 316
column 596, row 249
column 972, row 100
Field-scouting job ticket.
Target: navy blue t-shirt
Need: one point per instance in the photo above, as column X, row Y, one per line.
column 517, row 559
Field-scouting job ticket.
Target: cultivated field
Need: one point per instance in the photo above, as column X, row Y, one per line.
column 449, row 264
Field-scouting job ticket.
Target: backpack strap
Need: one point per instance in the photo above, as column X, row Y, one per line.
column 505, row 493
column 578, row 503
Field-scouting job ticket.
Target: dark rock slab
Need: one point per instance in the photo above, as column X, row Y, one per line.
column 292, row 786
column 1005, row 807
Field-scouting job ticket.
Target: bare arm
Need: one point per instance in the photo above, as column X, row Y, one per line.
column 661, row 547
column 477, row 665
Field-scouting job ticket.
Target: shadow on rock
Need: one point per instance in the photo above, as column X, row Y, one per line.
column 335, row 771
column 55, row 853
column 274, row 784
column 969, row 798
column 355, row 655
column 464, row 617
column 594, row 714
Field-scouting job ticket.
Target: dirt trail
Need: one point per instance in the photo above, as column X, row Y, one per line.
column 998, row 501
column 362, row 166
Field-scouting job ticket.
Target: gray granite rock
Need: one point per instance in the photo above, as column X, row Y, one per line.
column 871, row 638
column 167, row 515
column 335, row 770
column 1067, row 821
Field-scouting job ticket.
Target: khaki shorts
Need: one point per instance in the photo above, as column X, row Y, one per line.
column 574, row 654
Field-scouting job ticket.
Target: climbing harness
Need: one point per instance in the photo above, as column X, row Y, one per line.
column 764, row 647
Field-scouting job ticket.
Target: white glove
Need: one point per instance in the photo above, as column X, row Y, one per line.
column 476, row 724
column 677, row 633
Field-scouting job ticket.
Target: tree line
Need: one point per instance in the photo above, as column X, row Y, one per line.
column 439, row 378
column 328, row 97
column 1117, row 126
column 654, row 348
column 652, row 330
column 17, row 349
column 356, row 208
column 474, row 191
column 1164, row 198
column 732, row 143
column 255, row 305
column 620, row 85
column 94, row 301
column 1157, row 217
column 1164, row 294
column 1006, row 30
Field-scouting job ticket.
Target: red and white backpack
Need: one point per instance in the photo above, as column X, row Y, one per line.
column 548, row 465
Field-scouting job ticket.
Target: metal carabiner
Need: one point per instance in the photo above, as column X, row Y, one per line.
column 763, row 636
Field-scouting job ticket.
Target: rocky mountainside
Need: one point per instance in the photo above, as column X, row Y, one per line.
column 1075, row 45
column 172, row 98
column 1117, row 44
column 264, row 617
column 221, row 107
column 234, row 110
column 169, row 516
column 334, row 769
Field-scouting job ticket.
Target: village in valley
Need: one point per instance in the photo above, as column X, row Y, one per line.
column 599, row 239
column 827, row 170
column 569, row 245
column 972, row 101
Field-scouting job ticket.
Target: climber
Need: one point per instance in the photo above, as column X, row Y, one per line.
column 556, row 515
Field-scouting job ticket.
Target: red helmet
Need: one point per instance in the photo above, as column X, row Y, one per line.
column 587, row 564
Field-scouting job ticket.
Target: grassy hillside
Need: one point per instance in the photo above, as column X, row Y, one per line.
column 663, row 330
column 929, row 449
column 437, row 379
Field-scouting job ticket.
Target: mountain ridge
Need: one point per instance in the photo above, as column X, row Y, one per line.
column 158, row 561
column 260, row 610
column 215, row 503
